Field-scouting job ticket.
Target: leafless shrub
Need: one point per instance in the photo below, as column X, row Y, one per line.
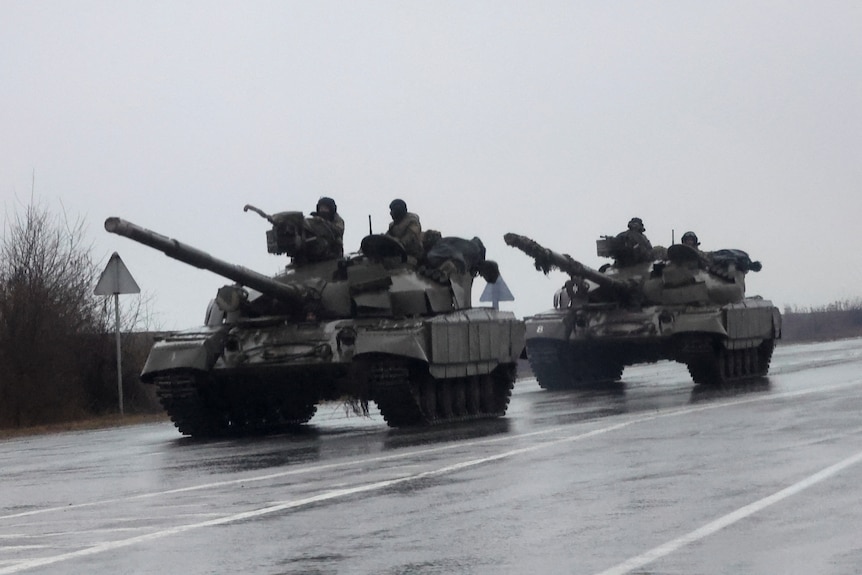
column 56, row 350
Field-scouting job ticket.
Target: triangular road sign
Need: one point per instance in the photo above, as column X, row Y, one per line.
column 496, row 292
column 116, row 279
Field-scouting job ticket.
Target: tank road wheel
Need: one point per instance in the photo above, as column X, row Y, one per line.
column 459, row 397
column 193, row 410
column 428, row 397
column 486, row 393
column 504, row 382
column 718, row 365
column 398, row 394
column 293, row 413
column 445, row 399
column 548, row 362
column 559, row 365
column 764, row 356
column 474, row 395
column 408, row 395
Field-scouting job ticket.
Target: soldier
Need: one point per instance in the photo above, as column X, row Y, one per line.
column 637, row 246
column 405, row 228
column 327, row 225
column 690, row 239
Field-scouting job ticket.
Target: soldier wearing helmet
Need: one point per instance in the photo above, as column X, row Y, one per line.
column 636, row 247
column 405, row 228
column 327, row 225
column 690, row 239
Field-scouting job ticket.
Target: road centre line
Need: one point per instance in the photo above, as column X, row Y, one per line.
column 670, row 412
column 621, row 569
column 636, row 563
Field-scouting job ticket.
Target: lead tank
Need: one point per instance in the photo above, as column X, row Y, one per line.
column 684, row 305
column 368, row 327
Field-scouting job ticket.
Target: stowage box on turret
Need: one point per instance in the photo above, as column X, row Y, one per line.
column 365, row 327
column 683, row 305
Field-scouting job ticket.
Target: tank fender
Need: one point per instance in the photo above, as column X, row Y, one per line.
column 710, row 322
column 401, row 338
column 193, row 349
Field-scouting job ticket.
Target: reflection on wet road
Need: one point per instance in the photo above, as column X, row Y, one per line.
column 652, row 472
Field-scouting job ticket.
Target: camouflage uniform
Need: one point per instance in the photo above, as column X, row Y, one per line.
column 406, row 228
column 328, row 227
column 638, row 247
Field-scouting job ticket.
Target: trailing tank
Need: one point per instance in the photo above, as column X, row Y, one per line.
column 682, row 305
column 366, row 327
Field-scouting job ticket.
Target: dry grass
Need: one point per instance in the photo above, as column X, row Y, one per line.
column 104, row 422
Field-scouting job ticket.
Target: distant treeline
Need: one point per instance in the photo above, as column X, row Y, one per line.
column 837, row 320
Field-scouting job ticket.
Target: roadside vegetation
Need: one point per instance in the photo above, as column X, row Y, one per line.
column 57, row 339
column 838, row 320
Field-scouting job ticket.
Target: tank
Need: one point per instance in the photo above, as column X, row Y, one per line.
column 682, row 305
column 367, row 327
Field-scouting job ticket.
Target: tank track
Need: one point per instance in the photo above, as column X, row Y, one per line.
column 710, row 363
column 199, row 407
column 559, row 365
column 412, row 397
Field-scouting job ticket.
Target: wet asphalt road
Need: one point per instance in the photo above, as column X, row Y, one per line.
column 654, row 476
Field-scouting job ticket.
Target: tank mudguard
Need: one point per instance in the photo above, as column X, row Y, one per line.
column 194, row 349
column 549, row 325
column 699, row 322
column 407, row 338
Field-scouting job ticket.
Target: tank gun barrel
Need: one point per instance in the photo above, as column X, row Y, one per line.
column 547, row 260
column 288, row 293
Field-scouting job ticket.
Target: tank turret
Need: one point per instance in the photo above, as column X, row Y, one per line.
column 371, row 326
column 679, row 275
column 684, row 305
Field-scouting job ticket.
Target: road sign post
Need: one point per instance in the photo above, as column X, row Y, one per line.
column 116, row 280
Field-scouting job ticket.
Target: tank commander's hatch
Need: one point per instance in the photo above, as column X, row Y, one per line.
column 380, row 246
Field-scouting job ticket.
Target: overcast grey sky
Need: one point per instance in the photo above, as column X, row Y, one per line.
column 741, row 120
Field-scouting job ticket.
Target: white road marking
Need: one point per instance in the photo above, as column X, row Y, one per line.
column 410, row 454
column 379, row 485
column 667, row 548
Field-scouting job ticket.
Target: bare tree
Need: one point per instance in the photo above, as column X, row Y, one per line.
column 56, row 351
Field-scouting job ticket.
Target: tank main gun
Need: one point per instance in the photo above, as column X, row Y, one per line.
column 291, row 294
column 546, row 260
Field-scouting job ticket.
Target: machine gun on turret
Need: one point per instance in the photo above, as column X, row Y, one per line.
column 305, row 239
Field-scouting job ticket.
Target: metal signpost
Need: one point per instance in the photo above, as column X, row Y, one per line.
column 117, row 280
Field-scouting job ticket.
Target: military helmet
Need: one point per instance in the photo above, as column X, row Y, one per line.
column 636, row 224
column 328, row 202
column 398, row 208
column 690, row 236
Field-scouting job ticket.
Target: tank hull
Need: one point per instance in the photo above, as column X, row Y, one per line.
column 266, row 374
column 592, row 343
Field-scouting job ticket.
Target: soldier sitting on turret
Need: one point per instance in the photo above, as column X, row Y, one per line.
column 690, row 239
column 636, row 247
column 405, row 228
column 328, row 227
